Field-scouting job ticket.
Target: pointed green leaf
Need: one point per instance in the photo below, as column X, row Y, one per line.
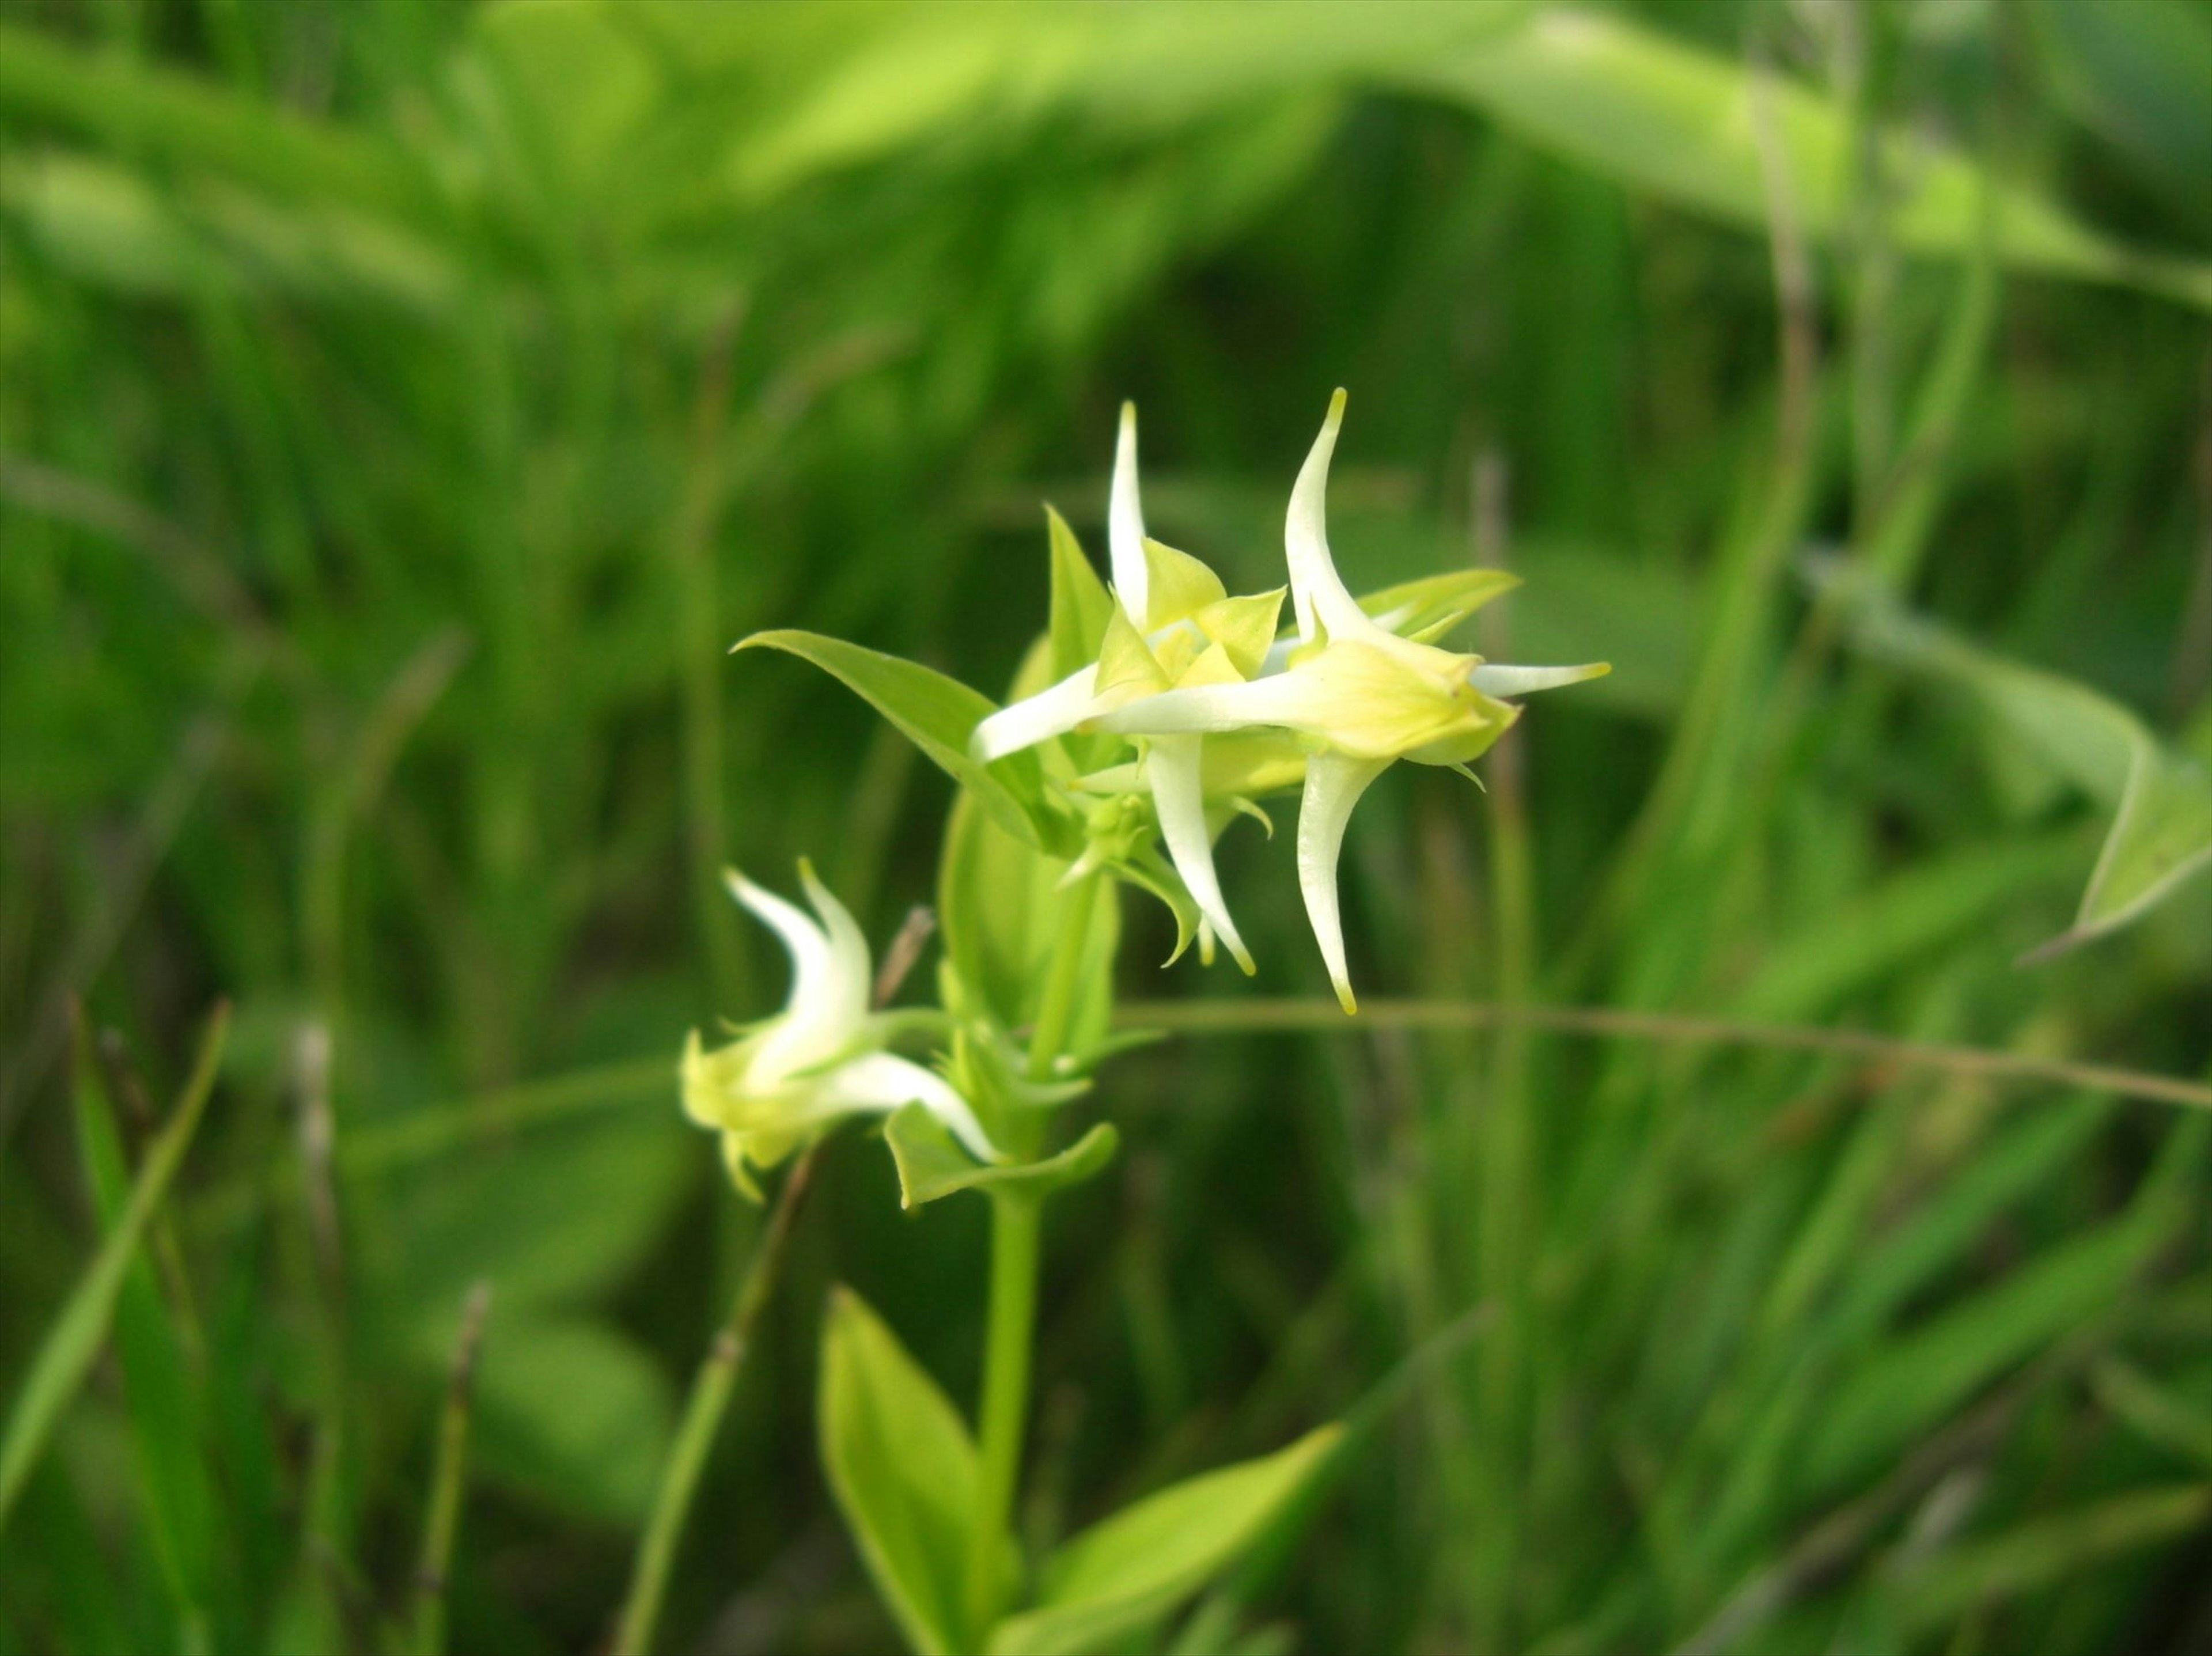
column 165, row 1415
column 2162, row 800
column 936, row 714
column 903, row 1469
column 1080, row 603
column 67, row 1356
column 931, row 1162
column 1431, row 607
column 1143, row 1562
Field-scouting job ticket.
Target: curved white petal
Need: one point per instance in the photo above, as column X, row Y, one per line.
column 884, row 1081
column 1036, row 718
column 820, row 1014
column 851, row 975
column 1173, row 766
column 1523, row 680
column 1317, row 593
column 1334, row 784
column 1125, row 523
column 806, row 943
column 1289, row 698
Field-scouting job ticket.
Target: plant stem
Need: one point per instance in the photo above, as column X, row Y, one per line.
column 443, row 1522
column 702, row 1418
column 1056, row 1009
column 1016, row 1220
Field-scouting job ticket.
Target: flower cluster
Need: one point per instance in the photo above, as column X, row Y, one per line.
column 1219, row 709
column 1194, row 709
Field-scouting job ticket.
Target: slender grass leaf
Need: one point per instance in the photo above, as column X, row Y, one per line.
column 903, row 1469
column 173, row 1481
column 1908, row 1384
column 2156, row 1412
column 2048, row 1551
column 1678, row 121
column 186, row 120
column 67, row 1355
column 1139, row 1564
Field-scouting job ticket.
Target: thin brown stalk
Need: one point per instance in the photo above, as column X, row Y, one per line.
column 1223, row 1016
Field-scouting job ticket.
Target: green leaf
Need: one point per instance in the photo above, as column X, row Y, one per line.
column 1001, row 904
column 2047, row 1552
column 2162, row 800
column 1910, row 1383
column 931, row 1162
column 938, row 714
column 1143, row 1562
column 616, row 1181
column 189, row 121
column 1081, row 606
column 67, row 1355
column 2138, row 75
column 1659, row 115
column 903, row 1469
column 173, row 1481
column 570, row 1410
column 1432, row 605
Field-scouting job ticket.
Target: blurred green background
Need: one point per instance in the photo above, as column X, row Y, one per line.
column 402, row 406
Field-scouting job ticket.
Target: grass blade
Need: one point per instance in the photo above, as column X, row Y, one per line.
column 67, row 1355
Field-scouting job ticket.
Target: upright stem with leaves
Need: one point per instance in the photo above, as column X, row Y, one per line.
column 1017, row 1220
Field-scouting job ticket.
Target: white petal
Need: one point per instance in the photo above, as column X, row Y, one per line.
column 1317, row 592
column 852, row 975
column 1173, row 766
column 1334, row 784
column 1125, row 523
column 884, row 1081
column 1523, row 680
column 807, row 943
column 1036, row 718
column 1289, row 698
column 821, row 1013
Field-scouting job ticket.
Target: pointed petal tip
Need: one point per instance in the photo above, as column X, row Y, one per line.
column 1128, row 415
column 1337, row 399
column 1345, row 998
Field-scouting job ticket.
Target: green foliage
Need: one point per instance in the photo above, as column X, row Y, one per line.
column 401, row 409
column 904, row 1470
column 938, row 714
column 1134, row 1568
column 932, row 1164
column 2161, row 800
column 67, row 1354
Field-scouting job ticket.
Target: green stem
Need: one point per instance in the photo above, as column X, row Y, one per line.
column 703, row 1418
column 1017, row 1221
column 444, row 1519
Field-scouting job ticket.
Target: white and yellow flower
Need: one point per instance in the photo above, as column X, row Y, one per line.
column 822, row 1058
column 1358, row 694
column 1174, row 624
